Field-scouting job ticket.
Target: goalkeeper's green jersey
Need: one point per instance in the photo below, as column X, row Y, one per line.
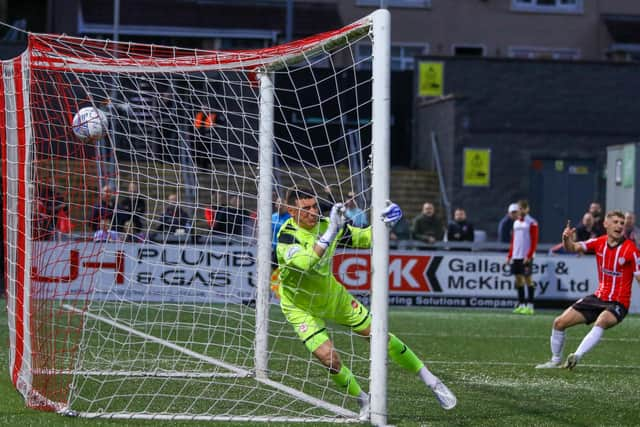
column 306, row 279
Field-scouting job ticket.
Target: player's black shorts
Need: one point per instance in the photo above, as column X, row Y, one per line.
column 521, row 268
column 591, row 306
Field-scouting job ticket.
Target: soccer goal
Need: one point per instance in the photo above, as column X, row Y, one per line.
column 138, row 246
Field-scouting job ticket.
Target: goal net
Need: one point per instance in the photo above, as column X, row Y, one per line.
column 139, row 258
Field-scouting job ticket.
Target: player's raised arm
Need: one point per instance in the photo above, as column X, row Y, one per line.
column 568, row 239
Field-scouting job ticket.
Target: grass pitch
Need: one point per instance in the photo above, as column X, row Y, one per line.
column 486, row 357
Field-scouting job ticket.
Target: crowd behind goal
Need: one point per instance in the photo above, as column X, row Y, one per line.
column 131, row 215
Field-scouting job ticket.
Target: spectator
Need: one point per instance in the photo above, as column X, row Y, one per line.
column 63, row 221
column 401, row 230
column 598, row 218
column 249, row 228
column 326, row 201
column 232, row 220
column 104, row 232
column 174, row 220
column 585, row 230
column 38, row 213
column 103, row 208
column 505, row 227
column 131, row 209
column 210, row 211
column 427, row 227
column 207, row 137
column 353, row 213
column 460, row 230
column 631, row 231
column 50, row 213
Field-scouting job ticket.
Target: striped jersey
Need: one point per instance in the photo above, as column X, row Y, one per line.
column 616, row 268
column 524, row 239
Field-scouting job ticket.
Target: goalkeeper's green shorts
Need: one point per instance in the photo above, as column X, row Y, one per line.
column 311, row 327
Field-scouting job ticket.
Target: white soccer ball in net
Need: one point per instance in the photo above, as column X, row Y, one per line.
column 89, row 124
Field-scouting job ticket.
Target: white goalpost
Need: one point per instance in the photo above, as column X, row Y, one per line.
column 140, row 185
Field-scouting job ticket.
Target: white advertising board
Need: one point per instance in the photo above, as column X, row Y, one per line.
column 181, row 273
column 468, row 279
column 145, row 272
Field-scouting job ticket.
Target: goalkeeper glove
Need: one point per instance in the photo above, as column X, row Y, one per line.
column 392, row 214
column 336, row 221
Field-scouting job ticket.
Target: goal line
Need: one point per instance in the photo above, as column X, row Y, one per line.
column 129, row 373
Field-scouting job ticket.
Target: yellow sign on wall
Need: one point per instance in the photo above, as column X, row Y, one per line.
column 430, row 79
column 477, row 167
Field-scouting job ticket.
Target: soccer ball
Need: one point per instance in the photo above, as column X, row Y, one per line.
column 89, row 124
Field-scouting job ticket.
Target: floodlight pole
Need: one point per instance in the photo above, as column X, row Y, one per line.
column 116, row 20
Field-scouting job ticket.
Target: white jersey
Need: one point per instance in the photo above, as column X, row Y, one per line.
column 524, row 239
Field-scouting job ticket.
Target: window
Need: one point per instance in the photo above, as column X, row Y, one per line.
column 548, row 6
column 468, row 50
column 544, row 53
column 402, row 55
column 396, row 3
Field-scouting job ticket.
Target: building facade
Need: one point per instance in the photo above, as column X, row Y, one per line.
column 534, row 29
column 545, row 85
column 536, row 130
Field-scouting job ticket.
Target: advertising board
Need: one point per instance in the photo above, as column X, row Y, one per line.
column 182, row 273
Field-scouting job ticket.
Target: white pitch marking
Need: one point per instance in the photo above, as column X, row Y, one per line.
column 338, row 410
column 532, row 365
column 515, row 337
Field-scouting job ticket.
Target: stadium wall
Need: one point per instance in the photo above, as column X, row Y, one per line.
column 522, row 111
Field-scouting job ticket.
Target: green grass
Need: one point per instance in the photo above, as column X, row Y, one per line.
column 486, row 357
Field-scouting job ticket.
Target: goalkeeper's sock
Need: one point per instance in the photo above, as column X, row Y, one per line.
column 406, row 359
column 557, row 343
column 363, row 401
column 345, row 380
column 589, row 341
column 427, row 377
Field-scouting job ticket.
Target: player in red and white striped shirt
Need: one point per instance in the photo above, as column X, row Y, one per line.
column 524, row 242
column 618, row 262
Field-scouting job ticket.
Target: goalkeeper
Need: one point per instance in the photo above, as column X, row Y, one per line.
column 310, row 294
